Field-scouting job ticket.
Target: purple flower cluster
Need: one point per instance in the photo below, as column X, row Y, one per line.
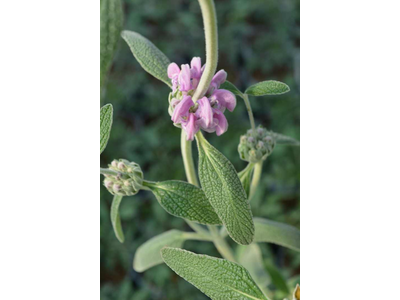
column 208, row 112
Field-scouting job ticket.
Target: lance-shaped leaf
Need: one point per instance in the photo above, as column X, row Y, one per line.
column 270, row 87
column 106, row 115
column 184, row 200
column 225, row 192
column 276, row 277
column 285, row 140
column 111, row 20
column 215, row 277
column 227, row 85
column 277, row 233
column 245, row 177
column 149, row 56
column 148, row 254
column 115, row 219
column 250, row 257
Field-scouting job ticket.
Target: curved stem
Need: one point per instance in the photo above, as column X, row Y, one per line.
column 186, row 149
column 197, row 237
column 211, row 34
column 249, row 111
column 256, row 178
column 221, row 245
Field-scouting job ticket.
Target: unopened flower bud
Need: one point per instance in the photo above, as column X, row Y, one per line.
column 121, row 166
column 127, row 180
column 256, row 145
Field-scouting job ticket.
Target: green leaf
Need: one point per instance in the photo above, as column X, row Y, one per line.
column 111, row 21
column 225, row 192
column 148, row 254
column 149, row 56
column 184, row 200
column 276, row 277
column 106, row 119
column 277, row 233
column 250, row 257
column 285, row 140
column 115, row 219
column 245, row 177
column 231, row 87
column 215, row 277
column 270, row 87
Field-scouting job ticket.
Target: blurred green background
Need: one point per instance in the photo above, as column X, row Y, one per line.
column 258, row 40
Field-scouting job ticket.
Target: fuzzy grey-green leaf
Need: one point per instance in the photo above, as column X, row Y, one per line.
column 149, row 56
column 111, row 20
column 148, row 254
column 225, row 192
column 106, row 118
column 277, row 233
column 115, row 219
column 270, row 87
column 284, row 139
column 184, row 200
column 217, row 278
column 231, row 87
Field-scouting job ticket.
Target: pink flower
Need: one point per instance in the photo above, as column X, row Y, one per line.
column 191, row 127
column 181, row 110
column 208, row 112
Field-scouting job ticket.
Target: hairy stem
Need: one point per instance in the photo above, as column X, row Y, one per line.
column 256, row 178
column 221, row 245
column 198, row 237
column 249, row 111
column 186, row 149
column 211, row 34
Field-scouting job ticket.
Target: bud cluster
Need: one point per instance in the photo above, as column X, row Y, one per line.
column 256, row 145
column 128, row 179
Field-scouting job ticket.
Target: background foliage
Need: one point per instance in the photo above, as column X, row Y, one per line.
column 259, row 40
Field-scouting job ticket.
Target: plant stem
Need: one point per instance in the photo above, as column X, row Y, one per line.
column 186, row 149
column 211, row 35
column 221, row 245
column 249, row 111
column 198, row 237
column 256, row 178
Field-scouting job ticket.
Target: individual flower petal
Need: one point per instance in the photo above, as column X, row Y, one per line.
column 204, row 111
column 191, row 127
column 173, row 70
column 182, row 109
column 219, row 78
column 222, row 125
column 184, row 78
column 195, row 65
column 225, row 99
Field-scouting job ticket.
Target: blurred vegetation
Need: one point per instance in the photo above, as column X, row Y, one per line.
column 259, row 40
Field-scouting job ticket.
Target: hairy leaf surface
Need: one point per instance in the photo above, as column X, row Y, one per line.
column 270, row 87
column 225, row 192
column 148, row 254
column 277, row 233
column 106, row 118
column 184, row 200
column 149, row 56
column 215, row 277
column 111, row 20
column 115, row 219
